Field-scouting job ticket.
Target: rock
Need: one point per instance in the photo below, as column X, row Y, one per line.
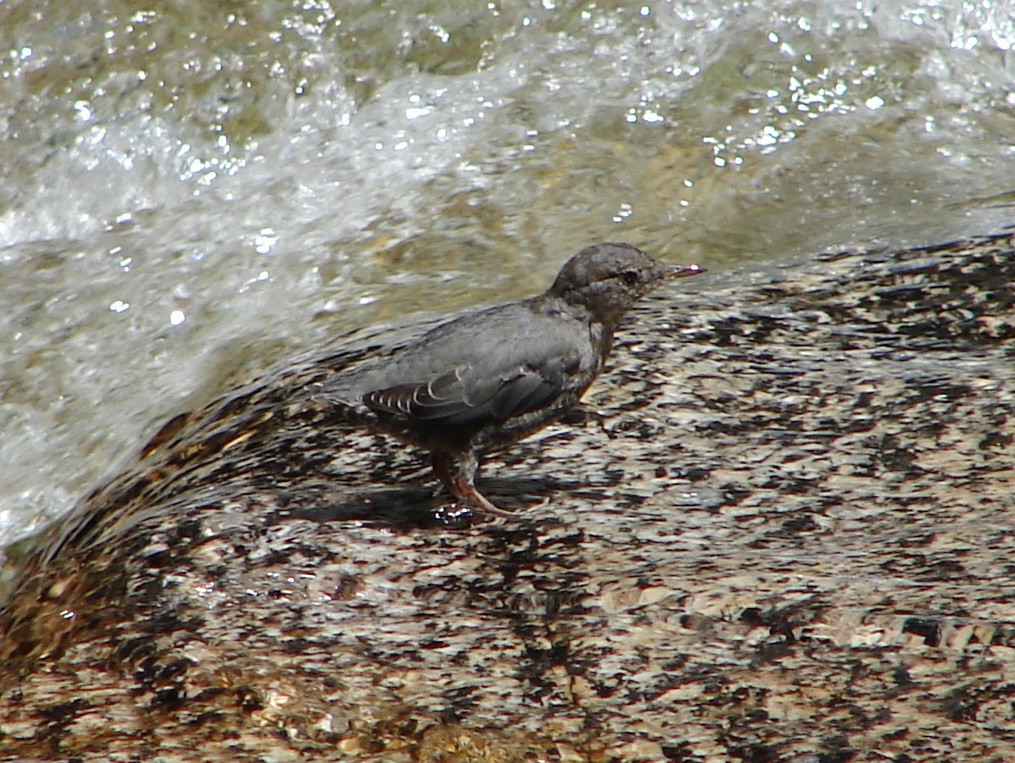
column 783, row 531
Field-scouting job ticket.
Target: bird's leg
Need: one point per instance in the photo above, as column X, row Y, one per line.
column 459, row 476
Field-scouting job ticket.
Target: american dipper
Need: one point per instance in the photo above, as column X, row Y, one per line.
column 493, row 376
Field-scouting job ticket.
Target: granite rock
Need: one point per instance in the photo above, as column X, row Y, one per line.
column 783, row 530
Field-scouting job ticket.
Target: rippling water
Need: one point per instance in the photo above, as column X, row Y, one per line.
column 192, row 191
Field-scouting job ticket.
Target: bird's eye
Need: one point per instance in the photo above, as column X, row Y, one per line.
column 630, row 277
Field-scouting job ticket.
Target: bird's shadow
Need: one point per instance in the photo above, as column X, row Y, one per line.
column 417, row 507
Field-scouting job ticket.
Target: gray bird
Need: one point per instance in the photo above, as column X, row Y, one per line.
column 494, row 376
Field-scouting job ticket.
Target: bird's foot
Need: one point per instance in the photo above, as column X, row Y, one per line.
column 470, row 495
column 464, row 511
column 542, row 504
column 458, row 479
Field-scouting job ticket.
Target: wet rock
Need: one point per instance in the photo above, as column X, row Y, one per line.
column 782, row 530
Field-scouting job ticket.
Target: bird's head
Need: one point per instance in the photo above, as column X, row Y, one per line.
column 609, row 278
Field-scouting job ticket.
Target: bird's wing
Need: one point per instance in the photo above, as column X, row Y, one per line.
column 482, row 368
column 467, row 395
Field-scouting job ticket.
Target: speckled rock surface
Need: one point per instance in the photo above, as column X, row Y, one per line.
column 784, row 531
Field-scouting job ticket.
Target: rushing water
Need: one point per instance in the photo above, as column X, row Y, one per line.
column 191, row 191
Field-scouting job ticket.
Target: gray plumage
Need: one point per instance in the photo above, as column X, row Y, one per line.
column 493, row 376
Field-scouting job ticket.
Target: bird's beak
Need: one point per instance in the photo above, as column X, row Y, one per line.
column 682, row 271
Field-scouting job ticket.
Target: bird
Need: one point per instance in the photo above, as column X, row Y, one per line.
column 491, row 377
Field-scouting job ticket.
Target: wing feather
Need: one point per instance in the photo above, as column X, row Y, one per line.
column 456, row 398
column 483, row 368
